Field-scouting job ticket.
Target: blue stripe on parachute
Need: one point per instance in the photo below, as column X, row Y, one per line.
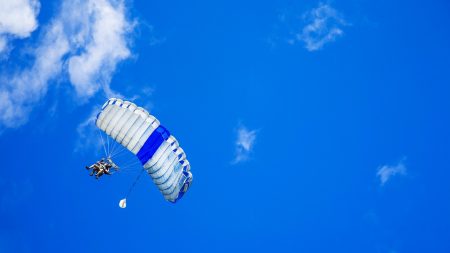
column 152, row 144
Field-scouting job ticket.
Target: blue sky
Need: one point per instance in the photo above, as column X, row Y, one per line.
column 310, row 126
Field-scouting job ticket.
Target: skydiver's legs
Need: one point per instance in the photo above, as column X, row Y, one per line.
column 90, row 167
column 107, row 172
column 93, row 166
column 99, row 173
column 95, row 169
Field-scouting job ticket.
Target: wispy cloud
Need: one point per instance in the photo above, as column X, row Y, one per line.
column 17, row 20
column 154, row 38
column 323, row 25
column 386, row 172
column 245, row 142
column 88, row 134
column 85, row 40
column 103, row 42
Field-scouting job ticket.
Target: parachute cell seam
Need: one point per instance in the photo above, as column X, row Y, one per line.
column 175, row 185
column 161, row 154
column 157, row 171
column 133, row 130
column 133, row 134
column 113, row 123
column 178, row 172
column 167, row 171
column 153, row 126
column 135, row 148
column 161, row 158
column 144, row 136
column 121, row 123
column 172, row 180
column 104, row 115
column 168, row 168
column 127, row 128
column 163, row 184
column 116, row 112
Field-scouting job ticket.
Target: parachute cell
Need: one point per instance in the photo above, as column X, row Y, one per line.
column 157, row 150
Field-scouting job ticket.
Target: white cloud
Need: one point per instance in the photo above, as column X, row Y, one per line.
column 324, row 25
column 88, row 134
column 17, row 19
column 104, row 45
column 86, row 40
column 23, row 89
column 386, row 172
column 2, row 44
column 244, row 144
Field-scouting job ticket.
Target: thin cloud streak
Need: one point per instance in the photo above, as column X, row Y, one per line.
column 324, row 26
column 88, row 134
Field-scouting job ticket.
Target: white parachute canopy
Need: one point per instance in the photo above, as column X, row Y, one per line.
column 123, row 203
column 155, row 147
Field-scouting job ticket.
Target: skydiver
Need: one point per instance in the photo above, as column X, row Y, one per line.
column 95, row 170
column 100, row 171
column 104, row 169
column 95, row 167
column 107, row 169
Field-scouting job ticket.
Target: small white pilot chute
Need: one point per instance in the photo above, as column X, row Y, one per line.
column 123, row 203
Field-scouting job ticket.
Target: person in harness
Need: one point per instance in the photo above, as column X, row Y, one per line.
column 102, row 167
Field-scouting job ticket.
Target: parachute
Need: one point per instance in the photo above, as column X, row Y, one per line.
column 157, row 150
